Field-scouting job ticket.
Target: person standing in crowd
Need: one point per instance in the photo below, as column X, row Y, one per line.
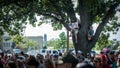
column 110, row 57
column 3, row 58
column 118, row 61
column 84, row 65
column 47, row 56
column 20, row 62
column 11, row 64
column 104, row 62
column 114, row 65
column 55, row 60
column 97, row 62
column 1, row 65
column 40, row 59
column 32, row 62
column 80, row 56
column 49, row 64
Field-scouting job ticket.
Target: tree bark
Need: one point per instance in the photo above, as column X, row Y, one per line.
column 83, row 44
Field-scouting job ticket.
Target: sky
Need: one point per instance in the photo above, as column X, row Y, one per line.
column 47, row 29
column 41, row 30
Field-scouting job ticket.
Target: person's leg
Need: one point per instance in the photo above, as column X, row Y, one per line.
column 76, row 32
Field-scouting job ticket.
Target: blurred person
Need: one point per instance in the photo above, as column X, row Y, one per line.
column 60, row 55
column 63, row 65
column 32, row 62
column 116, row 53
column 11, row 64
column 90, row 33
column 49, row 63
column 97, row 62
column 114, row 65
column 104, row 62
column 40, row 59
column 69, row 61
column 22, row 53
column 80, row 56
column 55, row 60
column 47, row 56
column 3, row 58
column 118, row 61
column 84, row 65
column 1, row 65
column 89, row 58
column 75, row 28
column 110, row 57
column 20, row 62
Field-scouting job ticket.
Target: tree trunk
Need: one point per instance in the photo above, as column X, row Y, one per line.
column 82, row 43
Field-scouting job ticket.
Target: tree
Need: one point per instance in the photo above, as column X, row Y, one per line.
column 53, row 43
column 103, row 42
column 63, row 40
column 22, row 42
column 17, row 39
column 59, row 43
column 29, row 43
column 63, row 12
column 12, row 19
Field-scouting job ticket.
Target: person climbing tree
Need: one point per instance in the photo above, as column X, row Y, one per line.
column 75, row 27
column 90, row 33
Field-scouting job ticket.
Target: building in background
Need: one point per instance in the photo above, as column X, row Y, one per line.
column 5, row 43
column 45, row 40
column 37, row 39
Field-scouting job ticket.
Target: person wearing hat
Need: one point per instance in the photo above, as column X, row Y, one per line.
column 104, row 62
column 20, row 62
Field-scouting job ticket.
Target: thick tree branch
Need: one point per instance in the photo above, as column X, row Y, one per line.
column 57, row 19
column 70, row 12
column 59, row 10
column 111, row 12
column 83, row 12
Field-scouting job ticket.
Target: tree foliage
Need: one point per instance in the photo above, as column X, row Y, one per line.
column 29, row 43
column 59, row 43
column 23, row 42
column 63, row 40
column 103, row 42
column 61, row 13
column 17, row 39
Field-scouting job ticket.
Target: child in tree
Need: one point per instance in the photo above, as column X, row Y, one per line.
column 90, row 33
column 75, row 27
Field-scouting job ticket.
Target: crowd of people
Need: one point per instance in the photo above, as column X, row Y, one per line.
column 108, row 59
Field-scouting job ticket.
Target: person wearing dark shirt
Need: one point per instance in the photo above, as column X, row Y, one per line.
column 90, row 33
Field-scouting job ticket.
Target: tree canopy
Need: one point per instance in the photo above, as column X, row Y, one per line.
column 59, row 43
column 14, row 14
column 23, row 42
